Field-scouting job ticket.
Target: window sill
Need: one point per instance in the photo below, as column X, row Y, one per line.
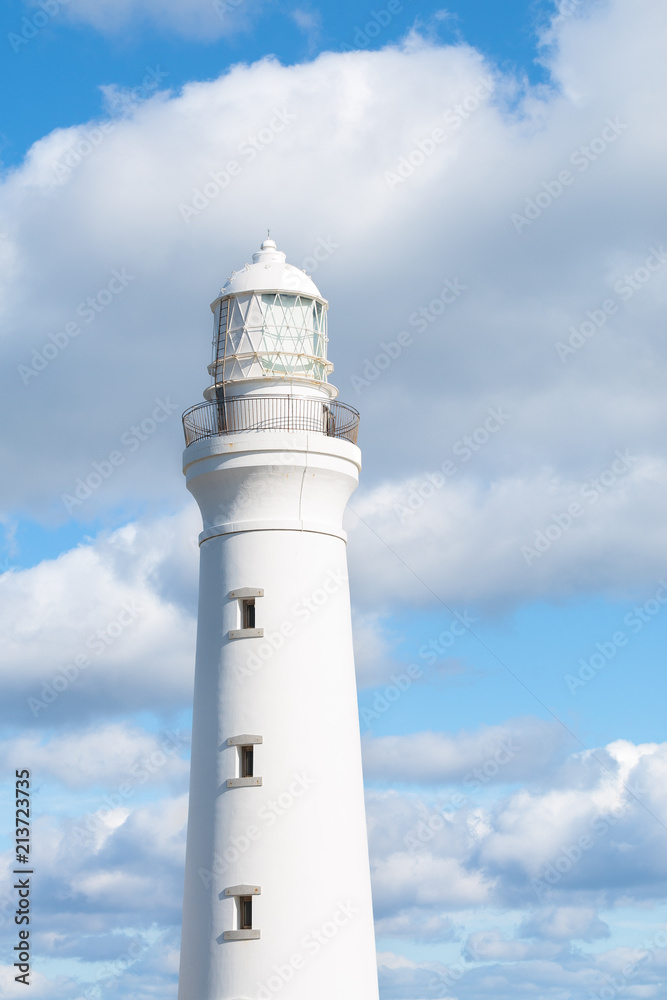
column 244, row 740
column 243, row 782
column 246, row 633
column 241, row 936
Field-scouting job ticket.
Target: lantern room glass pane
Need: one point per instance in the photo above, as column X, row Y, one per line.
column 294, row 338
column 270, row 334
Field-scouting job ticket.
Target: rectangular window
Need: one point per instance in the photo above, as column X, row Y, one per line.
column 245, row 913
column 247, row 756
column 248, row 613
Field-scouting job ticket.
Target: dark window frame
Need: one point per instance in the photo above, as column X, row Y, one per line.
column 248, row 616
column 245, row 913
column 247, row 761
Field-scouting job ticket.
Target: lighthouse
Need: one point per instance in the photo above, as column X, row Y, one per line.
column 277, row 884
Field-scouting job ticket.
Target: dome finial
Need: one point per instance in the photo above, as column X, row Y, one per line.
column 268, row 243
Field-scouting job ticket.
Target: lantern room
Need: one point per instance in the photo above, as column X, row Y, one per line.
column 270, row 326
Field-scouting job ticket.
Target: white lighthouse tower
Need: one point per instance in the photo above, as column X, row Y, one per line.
column 277, row 884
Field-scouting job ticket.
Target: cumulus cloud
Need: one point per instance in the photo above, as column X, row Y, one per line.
column 110, row 753
column 520, row 293
column 404, row 881
column 372, row 649
column 110, row 883
column 516, row 538
column 416, row 925
column 585, row 833
column 639, row 971
column 435, row 253
column 516, row 751
column 198, row 19
column 401, row 978
column 545, row 852
column 121, row 865
column 549, row 857
column 493, row 946
column 107, row 624
column 564, row 923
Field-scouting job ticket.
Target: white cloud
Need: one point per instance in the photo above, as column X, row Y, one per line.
column 372, row 650
column 105, row 627
column 579, row 834
column 517, row 538
column 402, row 978
column 199, row 19
column 417, row 925
column 348, row 121
column 518, row 750
column 139, row 847
column 402, row 881
column 432, row 890
column 111, row 753
column 547, row 860
column 492, row 946
column 564, row 923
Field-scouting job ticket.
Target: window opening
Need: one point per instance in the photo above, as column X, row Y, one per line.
column 247, row 758
column 245, row 913
column 248, row 613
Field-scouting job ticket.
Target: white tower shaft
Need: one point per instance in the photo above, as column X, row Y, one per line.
column 277, row 889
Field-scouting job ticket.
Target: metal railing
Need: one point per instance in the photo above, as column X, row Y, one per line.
column 270, row 413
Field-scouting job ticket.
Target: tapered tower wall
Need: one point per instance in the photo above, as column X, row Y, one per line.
column 272, row 507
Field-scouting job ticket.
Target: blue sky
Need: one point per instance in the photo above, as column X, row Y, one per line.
column 58, row 75
column 514, row 458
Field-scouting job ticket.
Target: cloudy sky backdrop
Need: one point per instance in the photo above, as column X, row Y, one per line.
column 479, row 192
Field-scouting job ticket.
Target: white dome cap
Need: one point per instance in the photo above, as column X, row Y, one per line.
column 269, row 271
